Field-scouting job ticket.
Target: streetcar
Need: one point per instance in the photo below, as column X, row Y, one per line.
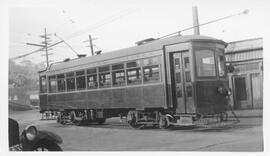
column 160, row 82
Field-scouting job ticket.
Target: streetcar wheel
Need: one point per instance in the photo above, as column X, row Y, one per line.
column 132, row 121
column 78, row 122
column 164, row 122
column 134, row 124
column 101, row 121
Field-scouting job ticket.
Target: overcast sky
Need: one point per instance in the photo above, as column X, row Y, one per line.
column 120, row 23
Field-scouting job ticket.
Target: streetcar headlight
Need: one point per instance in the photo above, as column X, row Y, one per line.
column 30, row 133
column 229, row 92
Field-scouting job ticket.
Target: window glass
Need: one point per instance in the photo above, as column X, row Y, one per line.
column 117, row 66
column 80, row 73
column 91, row 71
column 105, row 80
column 221, row 65
column 151, row 61
column 188, row 76
column 92, row 81
column 80, row 82
column 52, row 84
column 104, row 69
column 70, row 83
column 151, row 74
column 205, row 63
column 134, row 76
column 178, row 77
column 177, row 63
column 61, row 85
column 186, row 61
column 133, row 64
column 43, row 84
column 60, row 76
column 118, row 78
column 189, row 91
column 178, row 91
column 70, row 74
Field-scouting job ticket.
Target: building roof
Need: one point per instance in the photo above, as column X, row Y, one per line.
column 244, row 45
column 146, row 47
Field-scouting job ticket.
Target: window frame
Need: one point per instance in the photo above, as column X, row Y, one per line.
column 50, row 87
column 220, row 52
column 80, row 76
column 196, row 49
column 139, row 66
column 64, row 79
column 41, row 88
column 107, row 72
column 92, row 74
column 153, row 64
column 114, row 78
column 70, row 77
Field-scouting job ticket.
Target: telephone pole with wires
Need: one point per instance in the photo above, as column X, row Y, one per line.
column 44, row 45
column 91, row 45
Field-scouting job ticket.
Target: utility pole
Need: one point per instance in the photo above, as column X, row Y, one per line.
column 195, row 20
column 91, row 45
column 44, row 45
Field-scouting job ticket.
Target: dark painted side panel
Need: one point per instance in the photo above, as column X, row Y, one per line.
column 134, row 97
column 43, row 102
column 209, row 101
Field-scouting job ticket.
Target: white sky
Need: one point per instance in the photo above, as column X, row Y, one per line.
column 120, row 23
column 24, row 20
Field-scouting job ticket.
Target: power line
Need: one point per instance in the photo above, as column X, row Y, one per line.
column 178, row 32
column 66, row 43
column 98, row 24
column 36, row 51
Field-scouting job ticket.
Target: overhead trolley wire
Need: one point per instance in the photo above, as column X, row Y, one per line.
column 178, row 32
column 97, row 25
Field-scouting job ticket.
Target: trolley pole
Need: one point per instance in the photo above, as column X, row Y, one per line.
column 91, row 45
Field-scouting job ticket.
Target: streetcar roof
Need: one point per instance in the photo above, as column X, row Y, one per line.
column 147, row 47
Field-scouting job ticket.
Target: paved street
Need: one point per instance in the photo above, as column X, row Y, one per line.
column 116, row 136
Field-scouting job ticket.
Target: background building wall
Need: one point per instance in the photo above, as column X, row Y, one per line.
column 246, row 56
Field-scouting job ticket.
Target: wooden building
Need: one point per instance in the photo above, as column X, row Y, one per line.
column 246, row 81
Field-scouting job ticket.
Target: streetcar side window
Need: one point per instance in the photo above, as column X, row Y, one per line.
column 43, row 84
column 205, row 63
column 52, row 84
column 80, row 80
column 133, row 64
column 61, row 83
column 104, row 77
column 70, row 78
column 118, row 75
column 151, row 71
column 151, row 74
column 134, row 73
column 92, row 78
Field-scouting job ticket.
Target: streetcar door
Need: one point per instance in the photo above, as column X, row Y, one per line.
column 181, row 82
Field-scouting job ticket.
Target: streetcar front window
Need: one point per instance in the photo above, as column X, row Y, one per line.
column 221, row 63
column 205, row 63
